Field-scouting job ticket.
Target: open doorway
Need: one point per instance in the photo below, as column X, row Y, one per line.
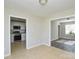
column 17, row 33
column 63, row 34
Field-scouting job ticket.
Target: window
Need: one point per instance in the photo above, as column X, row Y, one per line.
column 70, row 29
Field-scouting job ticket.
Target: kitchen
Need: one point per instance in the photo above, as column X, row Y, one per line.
column 18, row 31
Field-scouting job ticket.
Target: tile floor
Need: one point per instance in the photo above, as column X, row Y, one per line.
column 40, row 52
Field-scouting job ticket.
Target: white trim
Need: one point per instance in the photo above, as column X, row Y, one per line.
column 9, row 32
column 49, row 33
column 47, row 44
column 61, row 17
column 9, row 40
column 26, row 33
column 7, row 55
column 38, row 45
column 33, row 46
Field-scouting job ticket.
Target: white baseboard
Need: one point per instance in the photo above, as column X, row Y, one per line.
column 7, row 55
column 53, row 39
column 34, row 46
column 46, row 43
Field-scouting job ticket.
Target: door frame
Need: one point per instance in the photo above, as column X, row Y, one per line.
column 26, row 31
column 52, row 19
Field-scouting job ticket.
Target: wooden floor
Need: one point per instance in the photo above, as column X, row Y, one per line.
column 40, row 52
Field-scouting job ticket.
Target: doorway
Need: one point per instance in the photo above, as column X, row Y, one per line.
column 17, row 33
column 63, row 34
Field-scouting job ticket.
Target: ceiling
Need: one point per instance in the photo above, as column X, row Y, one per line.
column 33, row 6
column 15, row 19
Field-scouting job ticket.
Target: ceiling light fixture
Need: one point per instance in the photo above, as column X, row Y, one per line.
column 43, row 2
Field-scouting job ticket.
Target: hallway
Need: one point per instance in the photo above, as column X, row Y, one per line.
column 17, row 46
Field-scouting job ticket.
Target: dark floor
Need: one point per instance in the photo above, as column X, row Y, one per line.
column 61, row 45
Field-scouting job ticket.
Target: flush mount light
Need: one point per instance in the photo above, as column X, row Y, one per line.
column 43, row 2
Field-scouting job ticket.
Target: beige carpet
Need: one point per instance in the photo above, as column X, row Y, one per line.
column 40, row 52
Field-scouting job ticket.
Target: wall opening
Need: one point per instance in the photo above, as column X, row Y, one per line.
column 17, row 33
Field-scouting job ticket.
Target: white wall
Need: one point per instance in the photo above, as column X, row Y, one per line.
column 38, row 30
column 45, row 34
column 35, row 32
column 6, row 35
column 54, row 30
column 34, row 29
